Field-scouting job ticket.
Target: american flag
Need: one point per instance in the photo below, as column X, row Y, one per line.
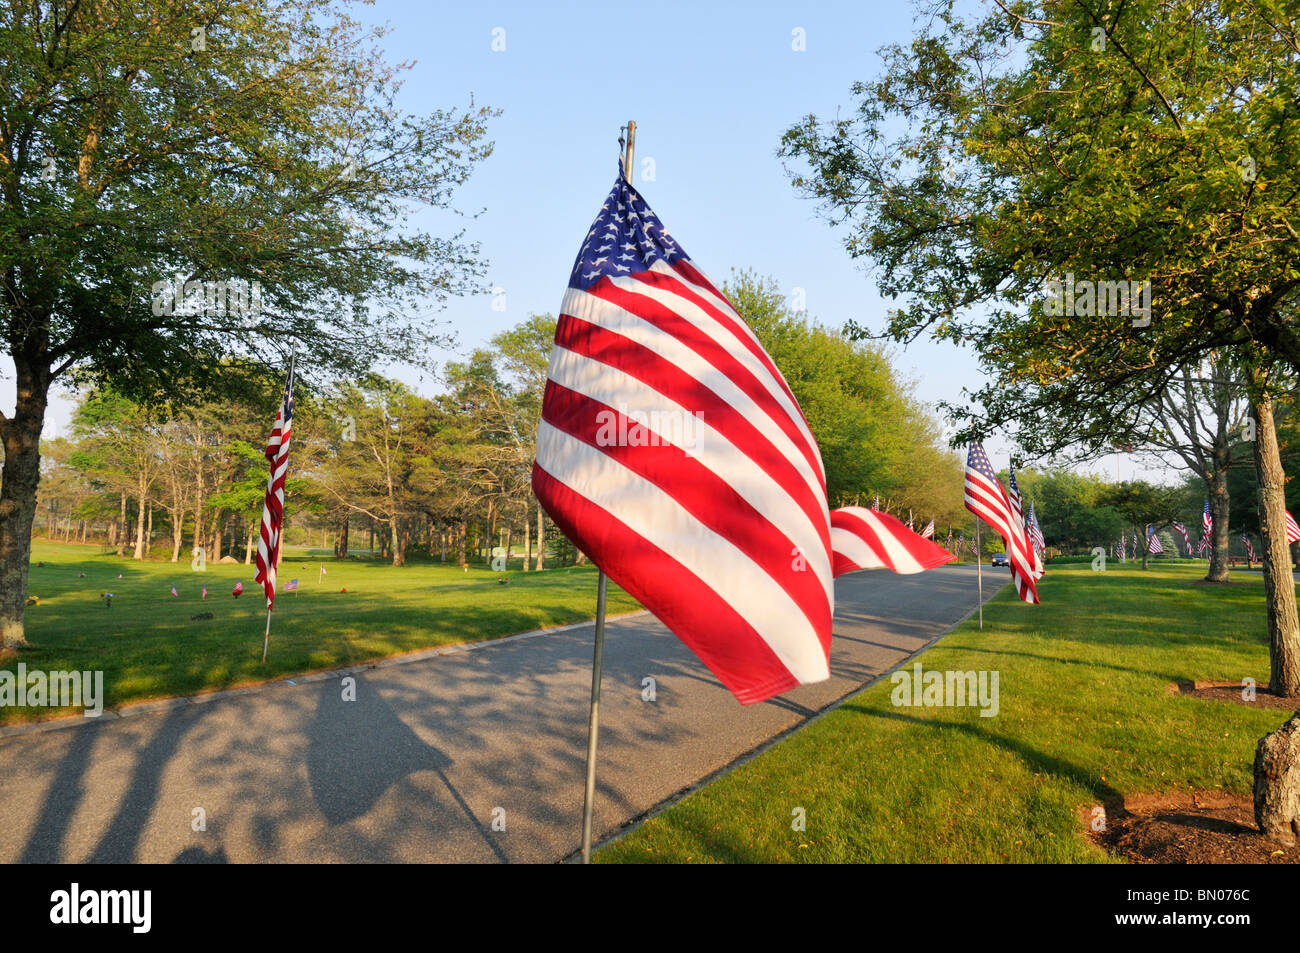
column 928, row 532
column 1250, row 550
column 1292, row 530
column 1153, row 542
column 1187, row 539
column 867, row 539
column 1018, row 513
column 988, row 501
column 1133, row 552
column 948, row 544
column 1123, row 547
column 277, row 454
column 875, row 505
column 711, row 511
column 1205, row 545
column 1207, row 523
column 1035, row 531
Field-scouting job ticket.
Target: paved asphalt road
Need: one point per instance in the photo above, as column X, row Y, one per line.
column 431, row 752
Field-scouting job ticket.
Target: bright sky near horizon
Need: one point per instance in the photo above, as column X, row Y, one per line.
column 712, row 86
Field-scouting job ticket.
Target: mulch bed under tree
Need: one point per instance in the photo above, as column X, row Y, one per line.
column 1235, row 692
column 1200, row 828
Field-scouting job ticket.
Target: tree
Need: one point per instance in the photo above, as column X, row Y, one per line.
column 1146, row 507
column 247, row 154
column 1114, row 205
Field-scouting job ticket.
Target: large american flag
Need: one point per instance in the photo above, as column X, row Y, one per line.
column 988, row 501
column 672, row 452
column 277, row 454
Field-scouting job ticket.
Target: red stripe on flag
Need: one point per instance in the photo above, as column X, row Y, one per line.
column 702, row 493
column 613, row 349
column 730, row 648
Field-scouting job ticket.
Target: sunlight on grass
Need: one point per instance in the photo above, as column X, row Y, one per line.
column 148, row 645
column 1085, row 715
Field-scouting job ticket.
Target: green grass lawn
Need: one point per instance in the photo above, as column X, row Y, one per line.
column 148, row 646
column 1085, row 716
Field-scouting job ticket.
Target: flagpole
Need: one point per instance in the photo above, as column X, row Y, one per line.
column 593, row 721
column 598, row 652
column 979, row 570
column 266, row 639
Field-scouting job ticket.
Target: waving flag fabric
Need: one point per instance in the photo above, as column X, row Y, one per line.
column 277, row 455
column 928, row 532
column 867, row 539
column 1153, row 542
column 1250, row 550
column 1018, row 513
column 1035, row 531
column 988, row 501
column 1292, row 530
column 1187, row 539
column 1207, row 522
column 672, row 452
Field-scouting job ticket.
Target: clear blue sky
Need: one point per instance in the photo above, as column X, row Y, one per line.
column 711, row 86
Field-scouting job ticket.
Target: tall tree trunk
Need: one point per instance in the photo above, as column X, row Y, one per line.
column 462, row 531
column 442, row 544
column 254, row 530
column 177, row 516
column 1217, row 484
column 541, row 539
column 121, row 531
column 21, row 434
column 343, row 537
column 397, row 536
column 528, row 539
column 148, row 538
column 218, row 526
column 139, row 518
column 509, row 532
column 1279, row 583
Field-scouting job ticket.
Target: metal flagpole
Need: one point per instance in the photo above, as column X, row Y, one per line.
column 979, row 570
column 598, row 653
column 593, row 722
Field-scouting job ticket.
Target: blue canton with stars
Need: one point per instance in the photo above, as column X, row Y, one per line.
column 978, row 461
column 627, row 237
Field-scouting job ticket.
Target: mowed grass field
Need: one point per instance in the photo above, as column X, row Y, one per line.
column 1085, row 716
column 149, row 646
